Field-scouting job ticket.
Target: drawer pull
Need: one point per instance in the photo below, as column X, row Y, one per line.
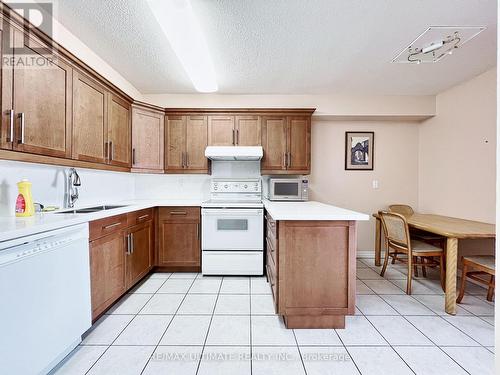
column 178, row 213
column 143, row 217
column 111, row 225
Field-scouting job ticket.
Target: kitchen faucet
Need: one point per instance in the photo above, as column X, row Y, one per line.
column 72, row 188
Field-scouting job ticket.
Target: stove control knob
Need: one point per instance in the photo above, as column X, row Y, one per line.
column 245, row 186
column 226, row 186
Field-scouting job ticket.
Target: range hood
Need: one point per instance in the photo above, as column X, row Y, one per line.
column 234, row 153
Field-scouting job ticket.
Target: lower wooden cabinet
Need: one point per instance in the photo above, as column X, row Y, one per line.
column 179, row 236
column 138, row 254
column 121, row 253
column 311, row 267
column 107, row 271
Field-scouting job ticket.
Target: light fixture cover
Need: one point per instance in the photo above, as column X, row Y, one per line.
column 183, row 31
column 435, row 43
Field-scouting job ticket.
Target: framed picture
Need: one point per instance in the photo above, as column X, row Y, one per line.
column 359, row 151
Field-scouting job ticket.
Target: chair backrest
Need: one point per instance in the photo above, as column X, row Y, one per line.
column 402, row 209
column 395, row 228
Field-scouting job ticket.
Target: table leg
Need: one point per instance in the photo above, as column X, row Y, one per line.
column 451, row 275
column 378, row 239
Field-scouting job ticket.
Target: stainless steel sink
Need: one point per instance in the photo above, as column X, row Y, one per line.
column 89, row 209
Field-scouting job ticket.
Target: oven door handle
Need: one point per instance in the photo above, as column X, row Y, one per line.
column 232, row 212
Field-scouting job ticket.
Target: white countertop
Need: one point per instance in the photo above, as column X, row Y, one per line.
column 13, row 227
column 310, row 210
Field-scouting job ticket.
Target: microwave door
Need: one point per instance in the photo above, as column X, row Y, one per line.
column 286, row 190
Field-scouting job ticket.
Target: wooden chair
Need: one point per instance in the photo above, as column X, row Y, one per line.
column 397, row 237
column 433, row 239
column 483, row 265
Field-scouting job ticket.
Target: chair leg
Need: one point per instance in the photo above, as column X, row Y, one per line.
column 442, row 272
column 394, row 258
column 462, row 284
column 415, row 267
column 491, row 289
column 408, row 279
column 386, row 260
column 424, row 272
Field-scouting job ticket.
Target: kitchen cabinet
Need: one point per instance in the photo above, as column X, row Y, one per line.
column 179, row 232
column 107, row 271
column 138, row 254
column 287, row 145
column 90, row 120
column 311, row 267
column 186, row 140
column 147, row 140
column 36, row 100
column 119, row 138
column 234, row 130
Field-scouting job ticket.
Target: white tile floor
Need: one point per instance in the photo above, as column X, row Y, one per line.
column 189, row 324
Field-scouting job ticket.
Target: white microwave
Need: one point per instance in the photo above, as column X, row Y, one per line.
column 288, row 189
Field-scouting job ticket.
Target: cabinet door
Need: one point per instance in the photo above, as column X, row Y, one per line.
column 7, row 125
column 147, row 139
column 274, row 144
column 107, row 271
column 179, row 243
column 175, row 135
column 89, row 119
column 299, row 144
column 119, row 131
column 221, row 131
column 196, row 142
column 138, row 258
column 248, row 131
column 42, row 102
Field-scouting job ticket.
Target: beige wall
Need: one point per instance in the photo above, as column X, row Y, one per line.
column 396, row 166
column 458, row 152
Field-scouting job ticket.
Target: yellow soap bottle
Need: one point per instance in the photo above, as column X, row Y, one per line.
column 24, row 202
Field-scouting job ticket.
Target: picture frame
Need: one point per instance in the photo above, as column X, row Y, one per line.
column 359, row 151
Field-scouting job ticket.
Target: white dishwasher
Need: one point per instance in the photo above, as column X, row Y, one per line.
column 44, row 297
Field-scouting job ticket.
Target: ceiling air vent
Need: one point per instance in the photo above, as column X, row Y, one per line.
column 437, row 42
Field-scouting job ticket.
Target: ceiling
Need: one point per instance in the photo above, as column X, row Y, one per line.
column 289, row 46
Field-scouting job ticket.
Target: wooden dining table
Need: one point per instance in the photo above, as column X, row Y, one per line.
column 453, row 229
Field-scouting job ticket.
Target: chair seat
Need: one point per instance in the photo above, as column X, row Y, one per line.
column 487, row 261
column 424, row 247
column 428, row 237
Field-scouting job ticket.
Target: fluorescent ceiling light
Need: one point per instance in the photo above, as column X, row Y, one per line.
column 177, row 19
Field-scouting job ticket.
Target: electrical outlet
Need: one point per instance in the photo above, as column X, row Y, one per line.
column 375, row 184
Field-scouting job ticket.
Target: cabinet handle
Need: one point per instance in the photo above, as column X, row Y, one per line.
column 133, row 156
column 178, row 213
column 284, row 160
column 183, row 160
column 131, row 243
column 142, row 217
column 289, row 160
column 21, row 116
column 111, row 151
column 11, row 125
column 128, row 244
column 106, row 151
column 112, row 225
column 237, row 136
column 187, row 160
column 234, row 143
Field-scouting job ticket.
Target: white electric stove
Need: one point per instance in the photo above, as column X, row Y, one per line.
column 233, row 228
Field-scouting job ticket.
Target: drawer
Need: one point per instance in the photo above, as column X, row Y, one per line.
column 141, row 216
column 179, row 213
column 271, row 226
column 271, row 251
column 271, row 237
column 271, row 275
column 102, row 227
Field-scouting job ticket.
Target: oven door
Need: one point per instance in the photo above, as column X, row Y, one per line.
column 232, row 229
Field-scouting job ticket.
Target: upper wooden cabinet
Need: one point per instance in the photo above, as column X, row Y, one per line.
column 186, row 140
column 36, row 105
column 225, row 130
column 90, row 120
column 147, row 140
column 119, row 139
column 287, row 144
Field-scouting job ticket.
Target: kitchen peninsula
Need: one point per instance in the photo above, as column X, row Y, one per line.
column 311, row 262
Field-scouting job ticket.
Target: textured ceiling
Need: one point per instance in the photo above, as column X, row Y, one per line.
column 289, row 46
